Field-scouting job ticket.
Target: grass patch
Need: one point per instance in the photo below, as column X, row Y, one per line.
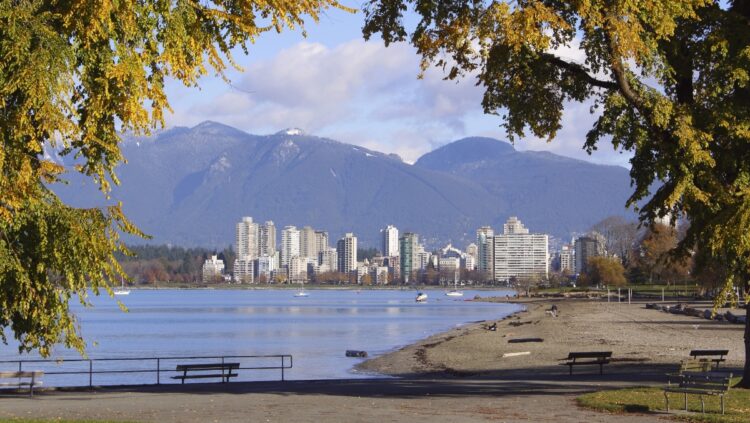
column 644, row 400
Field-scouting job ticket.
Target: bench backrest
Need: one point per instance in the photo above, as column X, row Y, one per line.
column 207, row 366
column 705, row 382
column 701, row 353
column 589, row 354
column 36, row 374
column 695, row 366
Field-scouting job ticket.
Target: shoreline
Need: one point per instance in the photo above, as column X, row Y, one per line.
column 638, row 338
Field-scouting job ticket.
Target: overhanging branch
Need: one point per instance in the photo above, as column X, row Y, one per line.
column 579, row 71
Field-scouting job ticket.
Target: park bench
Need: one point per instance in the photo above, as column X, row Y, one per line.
column 700, row 384
column 20, row 379
column 718, row 355
column 587, row 358
column 222, row 370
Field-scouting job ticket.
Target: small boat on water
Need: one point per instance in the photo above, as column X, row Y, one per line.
column 421, row 297
column 301, row 294
column 122, row 290
column 454, row 293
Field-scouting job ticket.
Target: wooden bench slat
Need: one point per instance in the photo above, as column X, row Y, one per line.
column 33, row 376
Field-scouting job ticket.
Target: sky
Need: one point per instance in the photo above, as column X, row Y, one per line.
column 334, row 84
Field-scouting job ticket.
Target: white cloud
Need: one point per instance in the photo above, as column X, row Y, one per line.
column 363, row 93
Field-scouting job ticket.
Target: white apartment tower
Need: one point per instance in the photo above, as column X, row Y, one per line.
column 267, row 239
column 247, row 238
column 390, row 241
column 347, row 253
column 289, row 244
column 518, row 254
column 212, row 269
column 484, row 249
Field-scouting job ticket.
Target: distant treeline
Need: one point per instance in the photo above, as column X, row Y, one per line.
column 163, row 263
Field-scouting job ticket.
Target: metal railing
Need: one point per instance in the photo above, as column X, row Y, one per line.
column 97, row 366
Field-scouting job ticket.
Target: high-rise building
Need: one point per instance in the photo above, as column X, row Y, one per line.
column 484, row 249
column 266, row 265
column 329, row 259
column 567, row 259
column 585, row 248
column 212, row 269
column 289, row 244
column 518, row 254
column 307, row 243
column 390, row 241
column 408, row 249
column 267, row 239
column 321, row 243
column 346, row 249
column 244, row 270
column 247, row 238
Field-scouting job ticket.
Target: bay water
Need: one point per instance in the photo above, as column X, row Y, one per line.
column 316, row 330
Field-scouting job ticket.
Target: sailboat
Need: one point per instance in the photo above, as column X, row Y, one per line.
column 455, row 292
column 301, row 292
column 122, row 290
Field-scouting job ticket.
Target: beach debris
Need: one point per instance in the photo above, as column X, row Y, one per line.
column 356, row 353
column 516, row 354
column 518, row 323
column 492, row 327
column 520, row 340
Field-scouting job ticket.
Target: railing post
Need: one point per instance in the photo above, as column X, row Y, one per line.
column 19, row 365
column 158, row 371
column 91, row 375
column 282, row 368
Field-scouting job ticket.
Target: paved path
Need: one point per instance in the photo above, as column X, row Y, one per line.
column 370, row 400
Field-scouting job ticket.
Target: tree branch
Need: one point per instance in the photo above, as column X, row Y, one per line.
column 579, row 71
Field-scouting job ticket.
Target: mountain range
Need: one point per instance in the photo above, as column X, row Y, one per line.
column 189, row 187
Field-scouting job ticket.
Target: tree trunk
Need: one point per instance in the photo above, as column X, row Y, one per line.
column 745, row 382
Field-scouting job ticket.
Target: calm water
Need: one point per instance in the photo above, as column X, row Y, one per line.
column 315, row 330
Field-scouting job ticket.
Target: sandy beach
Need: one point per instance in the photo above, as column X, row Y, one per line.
column 460, row 375
column 633, row 333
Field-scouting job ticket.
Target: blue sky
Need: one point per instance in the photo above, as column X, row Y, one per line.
column 334, row 84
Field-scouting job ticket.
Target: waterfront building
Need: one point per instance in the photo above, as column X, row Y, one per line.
column 321, row 243
column 472, row 250
column 347, row 253
column 379, row 275
column 449, row 264
column 518, row 254
column 246, row 238
column 469, row 262
column 585, row 248
column 212, row 269
column 408, row 245
column 266, row 265
column 484, row 249
column 244, row 270
column 267, row 239
column 329, row 258
column 297, row 269
column 307, row 243
column 567, row 258
column 390, row 241
column 289, row 244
